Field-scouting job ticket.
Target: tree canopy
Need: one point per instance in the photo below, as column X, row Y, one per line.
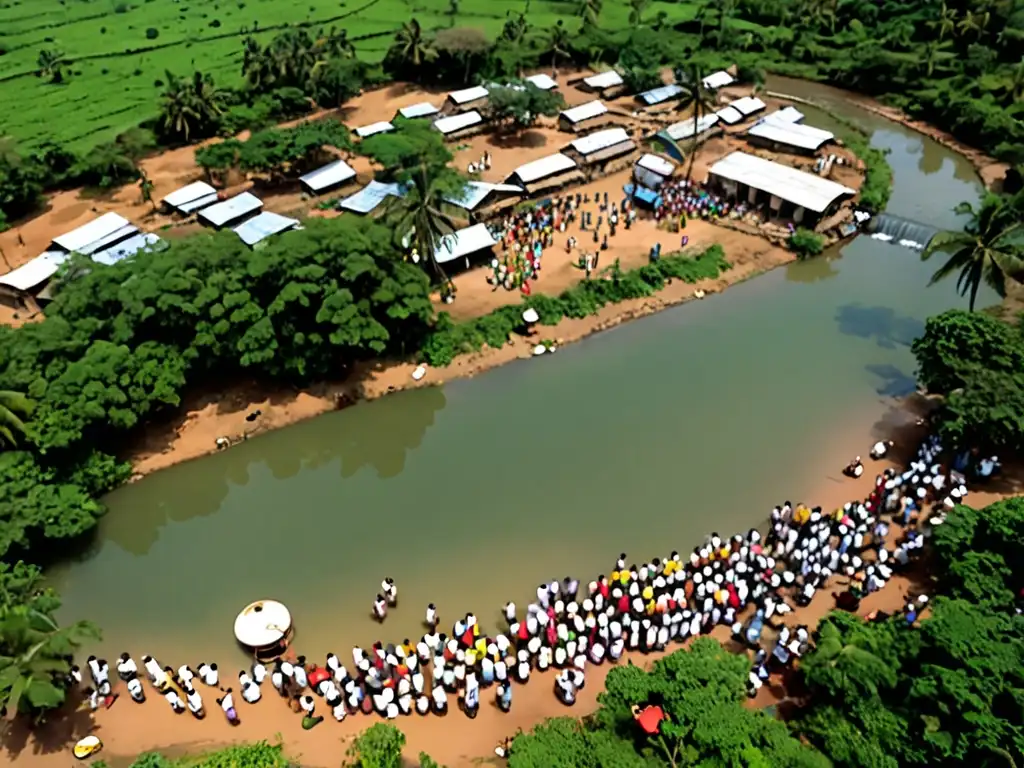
column 519, row 104
column 279, row 152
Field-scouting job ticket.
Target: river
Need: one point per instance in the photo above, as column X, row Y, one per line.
column 640, row 439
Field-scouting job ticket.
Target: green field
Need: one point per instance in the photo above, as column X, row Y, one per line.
column 114, row 76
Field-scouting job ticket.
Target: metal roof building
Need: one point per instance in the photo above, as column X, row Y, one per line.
column 656, row 164
column 603, row 145
column 264, row 225
column 685, row 130
column 600, row 82
column 97, row 234
column 143, row 241
column 423, row 109
column 748, row 105
column 231, row 210
column 374, row 128
column 777, row 134
column 786, row 115
column 546, row 173
column 659, row 95
column 584, row 112
column 34, row 273
column 191, row 197
column 475, row 192
column 718, row 79
column 467, row 95
column 370, row 196
column 460, row 124
column 463, row 243
column 330, row 176
column 801, row 189
column 542, row 81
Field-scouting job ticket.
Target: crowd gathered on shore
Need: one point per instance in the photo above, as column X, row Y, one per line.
column 746, row 582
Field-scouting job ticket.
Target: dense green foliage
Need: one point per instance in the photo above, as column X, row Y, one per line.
column 877, row 185
column 949, row 693
column 519, row 104
column 258, row 755
column 449, row 339
column 806, row 243
column 701, row 690
column 413, row 143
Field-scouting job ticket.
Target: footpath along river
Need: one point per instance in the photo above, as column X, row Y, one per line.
column 640, row 439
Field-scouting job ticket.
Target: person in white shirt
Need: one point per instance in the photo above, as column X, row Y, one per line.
column 472, row 697
column 431, row 617
column 195, row 703
column 135, row 690
column 259, row 673
column 380, row 608
column 308, row 704
column 299, row 674
column 440, row 700
column 208, row 674
column 337, row 705
column 422, row 705
column 175, row 701
column 250, row 692
column 155, row 673
column 126, row 668
column 227, row 704
column 879, row 449
column 185, row 675
column 390, row 591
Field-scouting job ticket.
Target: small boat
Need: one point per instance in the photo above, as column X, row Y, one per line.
column 264, row 628
column 88, row 746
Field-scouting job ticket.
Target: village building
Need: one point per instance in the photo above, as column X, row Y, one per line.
column 546, row 174
column 460, row 247
column 460, row 126
column 606, row 84
column 465, row 100
column 677, row 138
column 542, row 81
column 481, row 200
column 652, row 171
column 602, row 150
column 585, row 117
column 264, row 225
column 232, row 211
column 190, row 198
column 739, row 110
column 330, row 177
column 423, row 109
column 717, row 80
column 786, row 192
column 780, row 136
column 660, row 95
column 367, row 199
column 373, row 129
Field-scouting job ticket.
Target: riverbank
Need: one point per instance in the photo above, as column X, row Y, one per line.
column 128, row 729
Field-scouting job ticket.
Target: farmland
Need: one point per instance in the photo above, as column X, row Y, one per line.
column 119, row 51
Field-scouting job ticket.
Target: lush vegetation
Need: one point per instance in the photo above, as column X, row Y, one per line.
column 449, row 339
column 806, row 243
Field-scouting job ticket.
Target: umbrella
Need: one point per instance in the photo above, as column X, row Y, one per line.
column 530, row 315
column 649, row 718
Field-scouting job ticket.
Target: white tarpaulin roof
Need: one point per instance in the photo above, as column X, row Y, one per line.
column 544, row 82
column 785, row 115
column 370, row 196
column 718, row 79
column 129, row 247
column 373, row 128
column 231, row 209
column 729, row 115
column 263, row 226
column 608, row 79
column 544, row 167
column 584, row 111
column 99, row 232
column 467, row 95
column 595, row 142
column 657, row 164
column 194, row 205
column 793, row 134
column 457, row 122
column 685, row 130
column 475, row 191
column 329, row 176
column 189, row 194
column 658, row 95
column 464, row 242
column 422, row 109
column 804, row 189
column 35, row 272
column 748, row 105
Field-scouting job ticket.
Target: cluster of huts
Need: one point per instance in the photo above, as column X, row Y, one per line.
column 599, row 146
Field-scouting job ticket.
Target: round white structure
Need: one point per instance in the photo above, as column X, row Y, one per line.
column 263, row 624
column 530, row 316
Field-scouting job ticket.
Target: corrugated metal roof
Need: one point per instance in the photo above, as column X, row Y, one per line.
column 615, row 150
column 475, row 192
column 198, row 204
column 657, row 164
column 542, row 81
column 374, row 128
column 793, row 134
column 718, row 79
column 129, row 247
column 422, row 109
column 608, row 79
column 35, row 272
column 658, row 95
column 584, row 111
column 595, row 142
column 457, row 122
column 730, row 115
column 97, row 233
column 545, row 166
column 467, row 95
column 804, row 189
column 464, row 242
column 685, row 129
column 263, row 226
column 370, row 196
column 231, row 209
column 748, row 105
column 330, row 175
column 786, row 115
column 189, row 193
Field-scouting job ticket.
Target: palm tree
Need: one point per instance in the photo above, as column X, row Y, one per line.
column 190, row 107
column 838, row 660
column 589, row 10
column 418, row 213
column 51, row 63
column 935, row 53
column 145, row 188
column 699, row 98
column 34, row 658
column 410, row 46
column 637, row 8
column 14, row 409
column 558, row 43
column 988, row 249
column 946, row 23
column 974, row 22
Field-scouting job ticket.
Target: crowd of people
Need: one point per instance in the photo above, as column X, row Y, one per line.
column 683, row 199
column 746, row 582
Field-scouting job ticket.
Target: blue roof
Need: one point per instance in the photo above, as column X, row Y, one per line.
column 646, row 195
column 370, row 196
column 131, row 246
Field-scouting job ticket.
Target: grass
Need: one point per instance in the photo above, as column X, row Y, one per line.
column 116, row 68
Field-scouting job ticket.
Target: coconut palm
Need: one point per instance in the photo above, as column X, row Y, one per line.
column 842, row 662
column 50, row 64
column 589, row 10
column 15, row 408
column 989, row 249
column 190, row 107
column 145, row 188
column 700, row 100
column 946, row 23
column 558, row 43
column 34, row 654
column 410, row 46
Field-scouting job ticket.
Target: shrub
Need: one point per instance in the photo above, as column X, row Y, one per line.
column 805, row 243
column 215, row 23
column 122, row 8
column 152, row 33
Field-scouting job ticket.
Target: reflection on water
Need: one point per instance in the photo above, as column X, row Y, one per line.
column 894, row 382
column 882, row 324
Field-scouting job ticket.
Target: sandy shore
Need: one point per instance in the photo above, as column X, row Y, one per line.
column 129, row 729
